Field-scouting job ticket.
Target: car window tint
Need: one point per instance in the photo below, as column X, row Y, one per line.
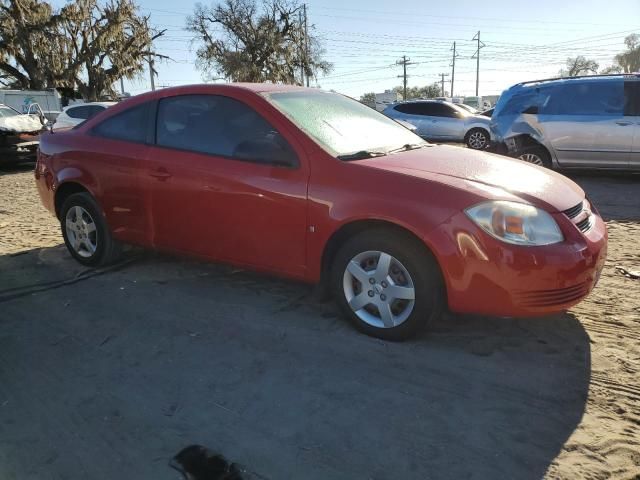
column 409, row 108
column 220, row 126
column 632, row 98
column 93, row 110
column 587, row 98
column 130, row 125
column 78, row 112
column 442, row 110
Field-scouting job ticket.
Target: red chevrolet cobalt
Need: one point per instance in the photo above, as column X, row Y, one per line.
column 315, row 186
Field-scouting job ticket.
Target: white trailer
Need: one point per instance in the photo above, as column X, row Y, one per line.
column 49, row 100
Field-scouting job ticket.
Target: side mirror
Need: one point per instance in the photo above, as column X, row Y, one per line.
column 266, row 151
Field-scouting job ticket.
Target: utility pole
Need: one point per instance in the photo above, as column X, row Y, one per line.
column 306, row 42
column 453, row 67
column 477, row 57
column 404, row 62
column 122, row 85
column 442, row 75
column 301, row 48
column 151, row 72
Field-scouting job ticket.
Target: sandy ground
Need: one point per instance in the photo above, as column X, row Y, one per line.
column 107, row 373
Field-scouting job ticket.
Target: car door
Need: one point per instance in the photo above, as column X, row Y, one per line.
column 447, row 122
column 632, row 112
column 227, row 184
column 585, row 124
column 118, row 147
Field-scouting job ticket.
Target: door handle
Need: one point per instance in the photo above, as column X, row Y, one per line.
column 160, row 174
column 623, row 122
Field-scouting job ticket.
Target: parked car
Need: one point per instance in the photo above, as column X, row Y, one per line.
column 49, row 101
column 78, row 113
column 315, row 186
column 469, row 109
column 19, row 133
column 437, row 120
column 583, row 122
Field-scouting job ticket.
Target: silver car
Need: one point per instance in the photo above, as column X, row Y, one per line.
column 579, row 122
column 439, row 120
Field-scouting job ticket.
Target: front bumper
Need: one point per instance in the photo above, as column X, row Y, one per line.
column 486, row 276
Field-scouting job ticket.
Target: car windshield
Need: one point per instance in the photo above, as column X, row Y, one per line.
column 342, row 125
column 8, row 112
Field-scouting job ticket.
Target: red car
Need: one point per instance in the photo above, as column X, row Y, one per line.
column 315, row 186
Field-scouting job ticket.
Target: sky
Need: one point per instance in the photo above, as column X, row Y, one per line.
column 364, row 40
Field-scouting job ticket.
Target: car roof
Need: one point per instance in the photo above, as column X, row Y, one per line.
column 85, row 104
column 584, row 78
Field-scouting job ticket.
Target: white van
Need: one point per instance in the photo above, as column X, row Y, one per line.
column 49, row 100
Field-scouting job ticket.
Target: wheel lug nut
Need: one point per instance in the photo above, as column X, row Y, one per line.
column 383, row 297
column 370, row 293
column 372, row 281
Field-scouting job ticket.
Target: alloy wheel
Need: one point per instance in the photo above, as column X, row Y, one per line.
column 477, row 140
column 531, row 158
column 379, row 289
column 81, row 231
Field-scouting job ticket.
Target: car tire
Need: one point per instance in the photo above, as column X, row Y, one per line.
column 477, row 139
column 366, row 291
column 537, row 155
column 86, row 233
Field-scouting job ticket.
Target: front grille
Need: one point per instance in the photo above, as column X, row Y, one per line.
column 548, row 298
column 573, row 212
column 584, row 225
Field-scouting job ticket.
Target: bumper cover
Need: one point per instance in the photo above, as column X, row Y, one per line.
column 486, row 276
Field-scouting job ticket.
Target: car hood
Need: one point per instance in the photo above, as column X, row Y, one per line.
column 497, row 176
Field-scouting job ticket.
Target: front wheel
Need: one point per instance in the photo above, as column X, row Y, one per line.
column 387, row 284
column 477, row 138
column 537, row 155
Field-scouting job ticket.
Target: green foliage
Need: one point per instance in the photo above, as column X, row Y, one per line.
column 579, row 66
column 368, row 99
column 629, row 61
column 428, row 91
column 87, row 44
column 255, row 44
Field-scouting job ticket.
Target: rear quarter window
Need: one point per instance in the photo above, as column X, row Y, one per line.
column 130, row 125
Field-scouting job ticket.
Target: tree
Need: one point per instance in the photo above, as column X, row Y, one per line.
column 106, row 42
column 428, row 91
column 87, row 44
column 256, row 44
column 579, row 66
column 25, row 44
column 629, row 61
column 368, row 99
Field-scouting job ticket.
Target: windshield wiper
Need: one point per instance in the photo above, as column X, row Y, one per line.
column 361, row 155
column 408, row 146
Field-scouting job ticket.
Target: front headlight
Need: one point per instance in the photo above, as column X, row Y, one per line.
column 516, row 223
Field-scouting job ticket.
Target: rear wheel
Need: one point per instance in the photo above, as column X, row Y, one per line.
column 387, row 284
column 477, row 138
column 537, row 155
column 86, row 233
